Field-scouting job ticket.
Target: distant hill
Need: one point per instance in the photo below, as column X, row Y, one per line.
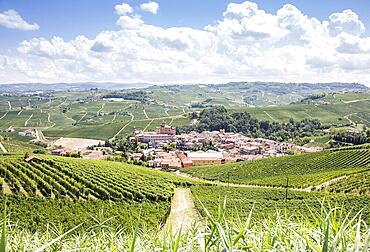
column 33, row 87
column 270, row 87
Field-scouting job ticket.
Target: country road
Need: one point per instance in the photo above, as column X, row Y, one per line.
column 3, row 148
column 183, row 213
column 4, row 115
column 102, row 107
column 306, row 189
column 124, row 126
column 146, row 115
column 26, row 122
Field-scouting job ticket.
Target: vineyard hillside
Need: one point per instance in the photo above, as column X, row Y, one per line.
column 37, row 190
column 300, row 171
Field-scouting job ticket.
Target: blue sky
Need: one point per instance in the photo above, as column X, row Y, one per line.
column 88, row 40
column 69, row 18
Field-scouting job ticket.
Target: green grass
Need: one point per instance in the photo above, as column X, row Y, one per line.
column 324, row 228
column 302, row 170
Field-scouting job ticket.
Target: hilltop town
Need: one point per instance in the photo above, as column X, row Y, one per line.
column 168, row 150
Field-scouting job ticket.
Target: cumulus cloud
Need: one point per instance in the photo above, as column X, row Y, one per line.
column 127, row 22
column 123, row 8
column 246, row 43
column 346, row 21
column 150, row 7
column 12, row 20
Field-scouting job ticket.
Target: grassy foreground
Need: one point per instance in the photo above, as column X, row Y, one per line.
column 329, row 229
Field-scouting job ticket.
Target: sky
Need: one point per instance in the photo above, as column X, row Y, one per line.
column 184, row 41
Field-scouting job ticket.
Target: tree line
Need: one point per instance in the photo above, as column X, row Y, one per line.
column 217, row 118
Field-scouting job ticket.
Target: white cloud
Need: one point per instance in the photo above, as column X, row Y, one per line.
column 12, row 20
column 127, row 22
column 123, row 8
column 346, row 21
column 247, row 43
column 150, row 7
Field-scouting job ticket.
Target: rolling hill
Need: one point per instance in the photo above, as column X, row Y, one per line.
column 302, row 171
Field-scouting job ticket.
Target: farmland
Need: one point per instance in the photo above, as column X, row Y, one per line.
column 302, row 171
column 37, row 192
column 85, row 114
column 266, row 202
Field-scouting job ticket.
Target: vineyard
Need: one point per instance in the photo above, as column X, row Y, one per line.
column 82, row 188
column 300, row 170
column 266, row 202
column 358, row 183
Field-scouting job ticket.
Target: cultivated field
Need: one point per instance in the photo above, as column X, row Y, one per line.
column 306, row 171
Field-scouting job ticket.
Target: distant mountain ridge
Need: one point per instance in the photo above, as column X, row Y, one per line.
column 268, row 86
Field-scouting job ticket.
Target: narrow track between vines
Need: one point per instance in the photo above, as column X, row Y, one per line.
column 183, row 213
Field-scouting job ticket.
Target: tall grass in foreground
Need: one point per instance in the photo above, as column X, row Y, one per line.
column 329, row 229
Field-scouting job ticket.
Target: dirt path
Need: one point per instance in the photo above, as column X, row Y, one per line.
column 49, row 118
column 183, row 213
column 347, row 118
column 4, row 115
column 325, row 184
column 20, row 112
column 147, row 117
column 114, row 117
column 82, row 118
column 3, row 148
column 269, row 116
column 40, row 136
column 306, row 189
column 146, row 127
column 124, row 126
column 26, row 122
column 10, row 105
column 353, row 101
column 102, row 107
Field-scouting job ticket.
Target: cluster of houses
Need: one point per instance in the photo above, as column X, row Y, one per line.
column 193, row 148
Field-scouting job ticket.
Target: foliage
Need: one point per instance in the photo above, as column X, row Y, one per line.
column 81, row 188
column 218, row 118
column 325, row 228
column 137, row 96
column 267, row 201
column 302, row 170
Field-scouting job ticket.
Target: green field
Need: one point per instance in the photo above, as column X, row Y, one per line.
column 84, row 114
column 85, row 191
column 301, row 170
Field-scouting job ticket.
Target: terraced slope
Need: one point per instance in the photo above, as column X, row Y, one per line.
column 358, row 183
column 85, row 191
column 301, row 170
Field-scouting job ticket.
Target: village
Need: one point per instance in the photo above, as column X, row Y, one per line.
column 168, row 150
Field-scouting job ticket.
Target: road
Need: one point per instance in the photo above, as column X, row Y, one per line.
column 269, row 115
column 358, row 100
column 4, row 115
column 124, row 126
column 183, row 213
column 147, row 117
column 26, row 122
column 148, row 125
column 40, row 136
column 3, row 148
column 102, row 107
column 306, row 189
